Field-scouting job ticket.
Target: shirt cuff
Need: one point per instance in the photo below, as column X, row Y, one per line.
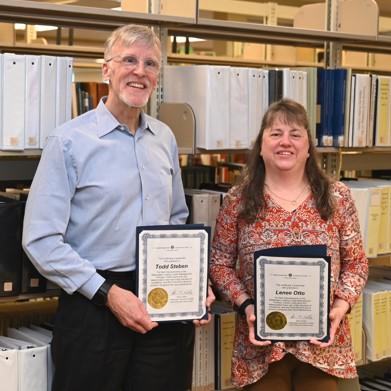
column 89, row 288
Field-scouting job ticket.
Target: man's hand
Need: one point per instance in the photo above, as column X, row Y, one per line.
column 337, row 312
column 209, row 301
column 129, row 310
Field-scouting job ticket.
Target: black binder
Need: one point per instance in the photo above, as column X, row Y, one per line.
column 32, row 280
column 11, row 217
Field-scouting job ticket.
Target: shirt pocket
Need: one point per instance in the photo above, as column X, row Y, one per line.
column 166, row 176
column 163, row 194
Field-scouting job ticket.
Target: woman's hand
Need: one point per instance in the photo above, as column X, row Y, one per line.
column 250, row 317
column 337, row 313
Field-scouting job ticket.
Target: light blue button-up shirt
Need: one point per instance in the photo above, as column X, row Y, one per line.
column 94, row 184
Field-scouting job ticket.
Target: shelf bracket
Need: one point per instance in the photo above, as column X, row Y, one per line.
column 331, row 164
column 333, row 50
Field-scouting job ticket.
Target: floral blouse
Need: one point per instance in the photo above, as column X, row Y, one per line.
column 231, row 271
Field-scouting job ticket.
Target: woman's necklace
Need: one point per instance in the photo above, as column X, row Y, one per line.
column 292, row 202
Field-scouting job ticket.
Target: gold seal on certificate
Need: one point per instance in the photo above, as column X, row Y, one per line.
column 276, row 320
column 172, row 271
column 292, row 293
column 157, row 298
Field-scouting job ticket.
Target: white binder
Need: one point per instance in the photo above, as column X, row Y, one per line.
column 48, row 97
column 300, row 80
column 264, row 93
column 288, row 84
column 238, row 109
column 254, row 98
column 42, row 338
column 206, row 89
column 13, row 102
column 199, row 206
column 32, row 364
column 42, row 330
column 38, row 339
column 25, row 337
column 33, row 95
column 204, row 207
column 14, row 343
column 362, row 88
column 258, row 101
column 8, row 369
column 63, row 90
column 69, row 77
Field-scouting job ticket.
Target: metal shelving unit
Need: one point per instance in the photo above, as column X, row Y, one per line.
column 34, row 12
column 82, row 17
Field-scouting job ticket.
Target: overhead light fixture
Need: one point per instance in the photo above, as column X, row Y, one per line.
column 38, row 27
column 180, row 39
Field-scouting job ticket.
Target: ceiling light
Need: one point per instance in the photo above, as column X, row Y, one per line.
column 38, row 27
column 180, row 39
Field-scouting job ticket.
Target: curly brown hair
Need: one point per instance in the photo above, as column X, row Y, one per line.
column 252, row 182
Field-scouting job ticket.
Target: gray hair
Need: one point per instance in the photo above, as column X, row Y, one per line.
column 130, row 34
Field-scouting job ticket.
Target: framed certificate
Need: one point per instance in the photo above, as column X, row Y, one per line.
column 292, row 295
column 172, row 271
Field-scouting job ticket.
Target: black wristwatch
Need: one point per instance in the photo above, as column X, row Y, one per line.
column 244, row 305
column 100, row 297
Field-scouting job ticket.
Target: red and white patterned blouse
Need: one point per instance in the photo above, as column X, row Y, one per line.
column 231, row 272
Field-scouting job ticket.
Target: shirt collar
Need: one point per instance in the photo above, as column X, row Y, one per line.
column 107, row 122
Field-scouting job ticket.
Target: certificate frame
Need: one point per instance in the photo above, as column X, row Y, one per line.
column 292, row 294
column 172, row 271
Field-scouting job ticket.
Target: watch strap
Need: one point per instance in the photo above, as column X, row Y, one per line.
column 100, row 297
column 244, row 305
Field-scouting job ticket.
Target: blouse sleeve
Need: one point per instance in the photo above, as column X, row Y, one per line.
column 354, row 263
column 225, row 249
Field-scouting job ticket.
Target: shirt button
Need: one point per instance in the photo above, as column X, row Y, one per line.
column 147, row 198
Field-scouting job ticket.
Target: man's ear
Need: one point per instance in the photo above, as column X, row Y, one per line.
column 105, row 72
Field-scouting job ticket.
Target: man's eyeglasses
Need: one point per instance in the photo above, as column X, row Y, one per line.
column 132, row 62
